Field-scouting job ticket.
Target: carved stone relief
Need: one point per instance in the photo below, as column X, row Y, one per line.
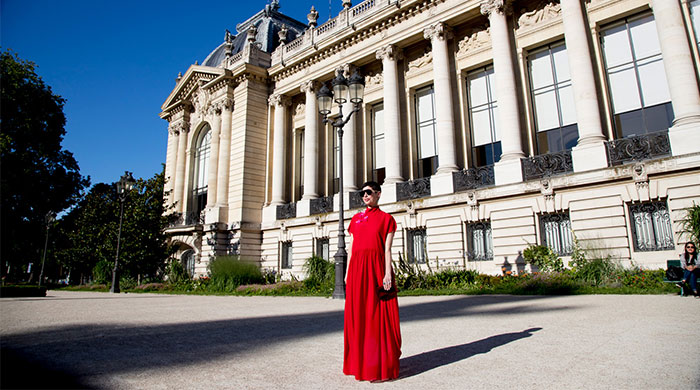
column 420, row 62
column 476, row 39
column 374, row 78
column 544, row 11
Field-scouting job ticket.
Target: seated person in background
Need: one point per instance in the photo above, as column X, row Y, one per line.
column 689, row 263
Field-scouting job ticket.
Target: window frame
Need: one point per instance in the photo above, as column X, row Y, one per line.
column 428, row 164
column 286, row 255
column 652, row 206
column 318, row 247
column 411, row 235
column 565, row 243
column 202, row 158
column 487, row 240
column 491, row 151
column 378, row 173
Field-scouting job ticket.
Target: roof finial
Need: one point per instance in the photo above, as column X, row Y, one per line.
column 312, row 17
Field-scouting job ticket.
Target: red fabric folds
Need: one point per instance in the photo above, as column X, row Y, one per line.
column 372, row 331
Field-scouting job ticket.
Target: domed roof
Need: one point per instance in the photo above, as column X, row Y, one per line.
column 268, row 22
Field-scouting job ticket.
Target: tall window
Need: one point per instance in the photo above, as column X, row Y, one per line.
column 201, row 173
column 187, row 260
column 378, row 162
column 635, row 69
column 479, row 241
column 299, row 177
column 486, row 139
column 695, row 15
column 416, row 249
column 286, row 255
column 336, row 158
column 323, row 248
column 425, row 128
column 651, row 226
column 553, row 99
column 556, row 233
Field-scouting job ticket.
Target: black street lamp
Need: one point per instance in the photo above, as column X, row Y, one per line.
column 355, row 88
column 124, row 185
column 50, row 217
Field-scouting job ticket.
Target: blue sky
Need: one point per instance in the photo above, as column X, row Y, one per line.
column 116, row 62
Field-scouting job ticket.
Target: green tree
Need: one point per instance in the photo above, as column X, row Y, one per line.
column 91, row 231
column 37, row 175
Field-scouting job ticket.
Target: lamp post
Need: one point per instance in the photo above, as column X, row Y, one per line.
column 124, row 185
column 50, row 217
column 342, row 87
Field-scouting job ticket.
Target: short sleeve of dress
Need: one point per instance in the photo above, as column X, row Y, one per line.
column 391, row 224
column 352, row 223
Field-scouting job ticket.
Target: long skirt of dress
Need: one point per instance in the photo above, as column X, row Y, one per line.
column 372, row 331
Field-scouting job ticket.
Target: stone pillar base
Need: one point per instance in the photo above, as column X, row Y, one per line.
column 304, row 208
column 508, row 171
column 441, row 184
column 269, row 213
column 589, row 157
column 216, row 214
column 388, row 194
column 684, row 139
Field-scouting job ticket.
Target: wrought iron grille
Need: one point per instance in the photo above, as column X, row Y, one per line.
column 479, row 242
column 321, row 205
column 472, row 178
column 356, row 200
column 651, row 226
column 416, row 246
column 287, row 210
column 194, row 218
column 413, row 189
column 546, row 165
column 638, row 148
column 556, row 233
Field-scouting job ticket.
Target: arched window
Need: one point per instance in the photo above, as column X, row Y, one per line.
column 201, row 170
column 187, row 260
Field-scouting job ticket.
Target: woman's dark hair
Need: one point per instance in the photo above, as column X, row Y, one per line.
column 373, row 185
column 685, row 250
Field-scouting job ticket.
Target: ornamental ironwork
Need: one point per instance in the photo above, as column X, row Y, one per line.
column 473, row 178
column 321, row 205
column 287, row 210
column 638, row 148
column 194, row 218
column 546, row 165
column 555, row 230
column 356, row 200
column 413, row 189
column 479, row 242
column 651, row 226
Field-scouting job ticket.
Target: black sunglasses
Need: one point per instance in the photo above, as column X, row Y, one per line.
column 689, row 247
column 368, row 192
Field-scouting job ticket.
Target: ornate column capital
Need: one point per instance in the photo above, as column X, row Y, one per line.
column 279, row 100
column 500, row 6
column 391, row 52
column 309, row 86
column 439, row 31
column 179, row 127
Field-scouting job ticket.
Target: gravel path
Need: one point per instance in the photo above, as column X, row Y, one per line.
column 150, row 341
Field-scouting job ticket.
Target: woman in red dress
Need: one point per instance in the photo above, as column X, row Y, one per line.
column 372, row 332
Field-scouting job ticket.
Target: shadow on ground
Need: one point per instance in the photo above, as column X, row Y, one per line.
column 82, row 351
column 426, row 361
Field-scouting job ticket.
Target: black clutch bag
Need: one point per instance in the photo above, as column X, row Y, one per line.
column 385, row 295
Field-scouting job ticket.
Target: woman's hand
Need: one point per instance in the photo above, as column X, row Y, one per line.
column 387, row 281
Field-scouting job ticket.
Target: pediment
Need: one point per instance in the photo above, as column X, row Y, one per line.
column 190, row 82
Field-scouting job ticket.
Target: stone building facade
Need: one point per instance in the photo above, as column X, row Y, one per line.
column 490, row 124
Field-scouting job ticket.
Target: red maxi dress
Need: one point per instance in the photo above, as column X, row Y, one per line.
column 372, row 332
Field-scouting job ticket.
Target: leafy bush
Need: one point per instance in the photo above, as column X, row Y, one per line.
column 320, row 275
column 690, row 224
column 597, row 270
column 102, row 272
column 176, row 272
column 228, row 272
column 642, row 278
column 544, row 258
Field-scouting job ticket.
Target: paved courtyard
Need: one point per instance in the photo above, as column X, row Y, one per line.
column 149, row 341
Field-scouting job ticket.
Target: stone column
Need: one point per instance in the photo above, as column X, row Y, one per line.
column 215, row 114
column 170, row 162
column 589, row 152
column 680, row 73
column 181, row 128
column 311, row 161
column 508, row 169
column 280, row 103
column 389, row 55
column 444, row 109
column 223, row 166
